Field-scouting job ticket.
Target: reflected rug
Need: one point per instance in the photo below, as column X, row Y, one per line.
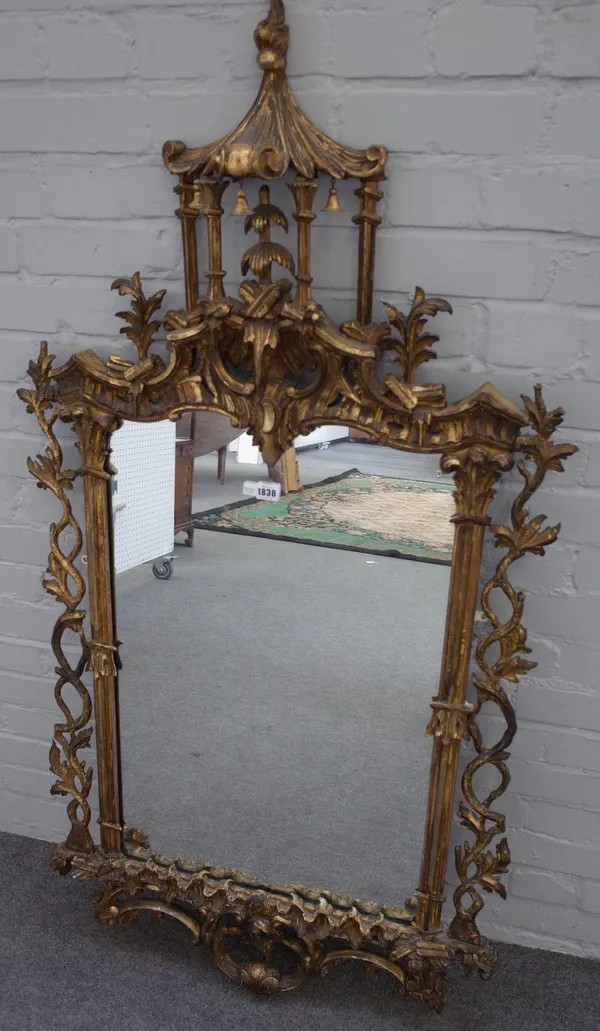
column 355, row 511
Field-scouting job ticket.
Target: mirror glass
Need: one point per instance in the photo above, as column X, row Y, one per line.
column 277, row 671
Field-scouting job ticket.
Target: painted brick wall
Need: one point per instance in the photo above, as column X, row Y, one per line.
column 492, row 114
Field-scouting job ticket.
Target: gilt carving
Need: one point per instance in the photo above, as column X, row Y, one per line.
column 480, row 869
column 299, row 934
column 271, row 359
column 66, row 584
column 275, row 134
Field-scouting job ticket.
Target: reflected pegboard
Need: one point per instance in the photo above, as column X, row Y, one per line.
column 143, row 492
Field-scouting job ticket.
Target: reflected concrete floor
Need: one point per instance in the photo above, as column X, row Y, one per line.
column 274, row 700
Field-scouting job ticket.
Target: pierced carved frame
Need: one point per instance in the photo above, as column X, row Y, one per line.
column 281, row 367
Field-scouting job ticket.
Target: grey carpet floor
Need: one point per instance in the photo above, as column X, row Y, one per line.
column 61, row 971
column 274, row 718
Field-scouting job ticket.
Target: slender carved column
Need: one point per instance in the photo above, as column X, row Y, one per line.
column 304, row 193
column 94, row 454
column 475, row 473
column 367, row 221
column 190, row 195
column 187, row 212
column 213, row 192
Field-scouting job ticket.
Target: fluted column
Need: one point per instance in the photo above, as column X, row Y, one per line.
column 93, row 447
column 304, row 194
column 213, row 192
column 188, row 212
column 475, row 473
column 367, row 221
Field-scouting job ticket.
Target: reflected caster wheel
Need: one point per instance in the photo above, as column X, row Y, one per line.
column 163, row 570
column 323, row 445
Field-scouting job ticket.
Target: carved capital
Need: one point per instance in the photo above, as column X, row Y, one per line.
column 449, row 722
column 369, row 195
column 191, row 198
column 304, row 191
column 93, row 428
column 102, row 659
column 475, row 472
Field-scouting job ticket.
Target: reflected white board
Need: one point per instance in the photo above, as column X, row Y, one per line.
column 144, row 499
column 248, row 454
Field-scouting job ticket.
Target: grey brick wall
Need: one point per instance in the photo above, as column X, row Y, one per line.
column 492, row 114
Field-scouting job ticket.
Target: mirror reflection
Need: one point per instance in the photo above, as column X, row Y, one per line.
column 277, row 670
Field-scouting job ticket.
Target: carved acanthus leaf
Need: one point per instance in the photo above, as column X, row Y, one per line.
column 141, row 328
column 414, row 346
column 476, row 472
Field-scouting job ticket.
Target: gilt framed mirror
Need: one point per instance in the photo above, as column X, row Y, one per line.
column 292, row 696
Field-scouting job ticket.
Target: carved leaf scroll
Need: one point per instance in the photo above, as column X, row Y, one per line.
column 479, row 867
column 414, row 346
column 141, row 328
column 65, row 583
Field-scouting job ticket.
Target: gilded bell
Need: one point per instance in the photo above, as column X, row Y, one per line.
column 333, row 201
column 241, row 204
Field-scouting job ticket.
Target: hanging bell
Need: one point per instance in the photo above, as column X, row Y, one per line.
column 241, row 204
column 333, row 201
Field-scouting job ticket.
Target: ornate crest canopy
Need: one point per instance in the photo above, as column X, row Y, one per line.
column 275, row 134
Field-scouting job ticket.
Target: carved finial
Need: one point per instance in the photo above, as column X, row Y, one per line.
column 272, row 38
